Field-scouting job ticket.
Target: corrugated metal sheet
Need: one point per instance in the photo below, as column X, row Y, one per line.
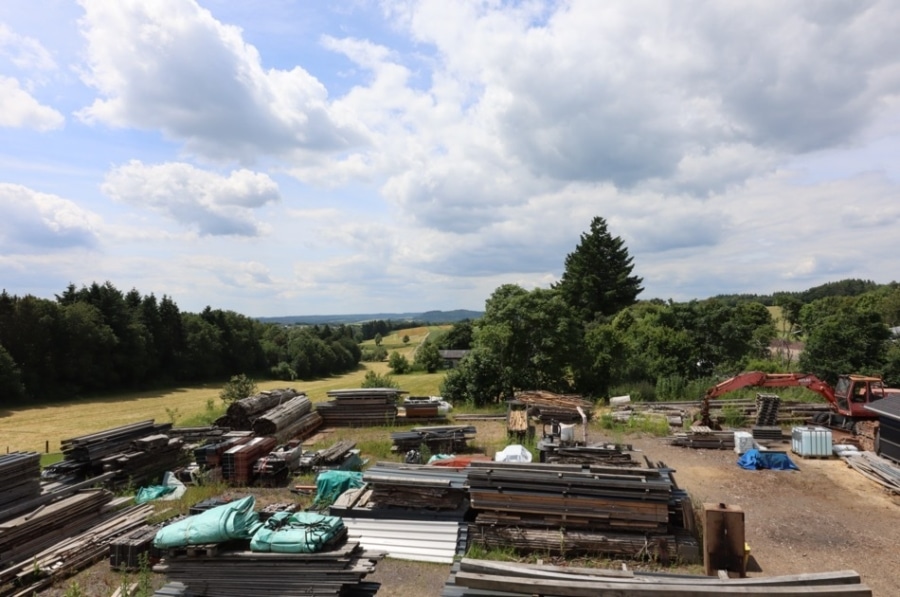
column 422, row 541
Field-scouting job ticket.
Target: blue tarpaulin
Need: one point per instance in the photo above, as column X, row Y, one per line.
column 753, row 460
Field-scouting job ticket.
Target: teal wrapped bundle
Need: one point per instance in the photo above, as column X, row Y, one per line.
column 298, row 532
column 235, row 520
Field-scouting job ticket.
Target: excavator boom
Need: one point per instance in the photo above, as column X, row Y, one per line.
column 765, row 380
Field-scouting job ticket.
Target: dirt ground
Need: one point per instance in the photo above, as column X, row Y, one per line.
column 824, row 517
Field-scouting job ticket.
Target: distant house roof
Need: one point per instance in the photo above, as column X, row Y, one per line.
column 453, row 355
column 889, row 406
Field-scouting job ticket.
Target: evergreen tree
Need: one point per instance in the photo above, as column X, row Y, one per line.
column 597, row 280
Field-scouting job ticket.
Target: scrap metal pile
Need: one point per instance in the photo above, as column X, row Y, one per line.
column 549, row 407
column 360, row 407
column 480, row 578
column 570, row 509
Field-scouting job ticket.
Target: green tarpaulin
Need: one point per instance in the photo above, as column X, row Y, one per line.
column 300, row 532
column 235, row 520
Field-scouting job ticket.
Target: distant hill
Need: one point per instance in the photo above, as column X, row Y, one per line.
column 433, row 317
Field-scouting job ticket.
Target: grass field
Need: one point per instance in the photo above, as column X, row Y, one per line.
column 40, row 428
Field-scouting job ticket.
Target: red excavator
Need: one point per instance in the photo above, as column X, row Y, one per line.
column 847, row 399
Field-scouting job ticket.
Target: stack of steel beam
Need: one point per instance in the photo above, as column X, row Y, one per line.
column 21, row 474
column 360, row 407
column 238, row 462
column 249, row 574
column 575, row 509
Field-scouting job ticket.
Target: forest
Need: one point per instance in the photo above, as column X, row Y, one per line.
column 589, row 333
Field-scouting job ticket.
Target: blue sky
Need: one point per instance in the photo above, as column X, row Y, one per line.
column 280, row 157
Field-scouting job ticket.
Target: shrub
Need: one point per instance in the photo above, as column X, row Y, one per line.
column 240, row 386
column 373, row 380
column 398, row 363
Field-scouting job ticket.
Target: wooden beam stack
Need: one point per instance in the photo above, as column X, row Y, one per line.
column 241, row 414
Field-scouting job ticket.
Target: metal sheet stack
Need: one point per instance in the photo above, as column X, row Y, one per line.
column 574, row 509
column 410, row 512
column 360, row 407
column 210, row 455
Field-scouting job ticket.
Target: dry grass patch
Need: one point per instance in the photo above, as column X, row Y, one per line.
column 28, row 428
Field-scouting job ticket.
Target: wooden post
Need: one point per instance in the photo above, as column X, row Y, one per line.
column 723, row 539
column 47, row 446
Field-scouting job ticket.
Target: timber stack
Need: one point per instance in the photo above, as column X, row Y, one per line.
column 550, row 407
column 360, row 407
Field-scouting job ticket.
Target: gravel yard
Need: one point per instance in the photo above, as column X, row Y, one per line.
column 825, row 517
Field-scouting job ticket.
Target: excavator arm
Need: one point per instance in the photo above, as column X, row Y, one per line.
column 764, row 380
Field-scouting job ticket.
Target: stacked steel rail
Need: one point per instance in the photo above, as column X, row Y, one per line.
column 21, row 474
column 478, row 578
column 135, row 453
column 248, row 574
column 360, row 407
column 577, row 509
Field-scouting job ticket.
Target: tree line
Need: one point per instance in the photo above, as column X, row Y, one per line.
column 589, row 334
column 97, row 339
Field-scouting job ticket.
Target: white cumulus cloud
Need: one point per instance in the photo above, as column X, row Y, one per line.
column 204, row 201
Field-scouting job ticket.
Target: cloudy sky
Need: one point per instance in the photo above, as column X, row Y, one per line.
column 279, row 157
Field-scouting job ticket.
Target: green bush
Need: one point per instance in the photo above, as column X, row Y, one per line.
column 399, row 364
column 238, row 387
column 373, row 380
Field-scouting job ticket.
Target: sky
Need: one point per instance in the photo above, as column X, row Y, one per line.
column 288, row 157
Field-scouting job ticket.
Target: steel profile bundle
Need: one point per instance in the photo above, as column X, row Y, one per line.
column 360, row 407
column 139, row 466
column 21, row 474
column 579, row 509
column 446, row 439
column 237, row 462
column 481, row 578
column 210, row 455
column 338, row 572
column 277, row 464
column 241, row 414
column 767, row 410
column 95, row 446
column 432, row 489
column 609, row 455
